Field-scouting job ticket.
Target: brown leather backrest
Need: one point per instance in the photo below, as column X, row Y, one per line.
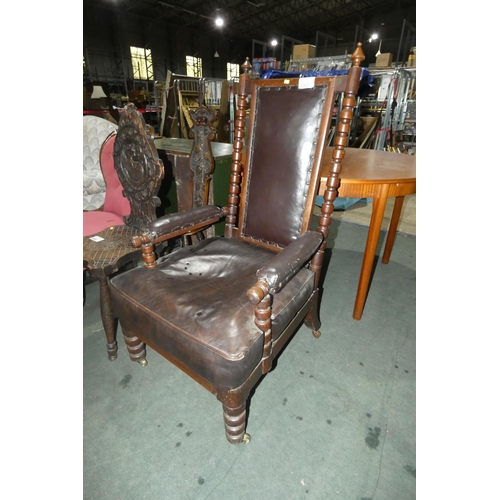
column 288, row 124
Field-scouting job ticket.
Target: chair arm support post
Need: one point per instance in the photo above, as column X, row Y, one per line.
column 317, row 263
column 340, row 143
column 263, row 322
column 148, row 255
column 238, row 142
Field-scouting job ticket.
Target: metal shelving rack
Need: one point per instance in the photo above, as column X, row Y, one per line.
column 320, row 63
column 395, row 106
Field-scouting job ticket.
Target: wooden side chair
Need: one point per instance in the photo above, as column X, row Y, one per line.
column 223, row 308
column 133, row 173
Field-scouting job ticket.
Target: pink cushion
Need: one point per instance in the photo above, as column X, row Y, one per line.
column 114, row 202
column 96, row 221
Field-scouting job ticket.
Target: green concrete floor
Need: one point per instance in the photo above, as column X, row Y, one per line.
column 335, row 419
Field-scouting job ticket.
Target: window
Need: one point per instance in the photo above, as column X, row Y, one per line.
column 142, row 63
column 233, row 70
column 193, row 66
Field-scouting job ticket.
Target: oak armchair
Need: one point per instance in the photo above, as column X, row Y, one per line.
column 223, row 308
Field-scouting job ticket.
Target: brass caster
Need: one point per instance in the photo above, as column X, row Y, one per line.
column 246, row 438
column 143, row 362
column 316, row 333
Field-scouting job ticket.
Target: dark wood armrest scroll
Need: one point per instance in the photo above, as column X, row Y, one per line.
column 174, row 225
column 284, row 265
column 272, row 278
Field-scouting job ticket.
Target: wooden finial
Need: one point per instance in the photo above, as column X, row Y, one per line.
column 358, row 55
column 246, row 66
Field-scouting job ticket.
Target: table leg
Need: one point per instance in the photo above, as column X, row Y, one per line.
column 379, row 204
column 396, row 213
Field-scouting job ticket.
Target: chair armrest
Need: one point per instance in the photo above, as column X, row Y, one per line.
column 177, row 224
column 284, row 265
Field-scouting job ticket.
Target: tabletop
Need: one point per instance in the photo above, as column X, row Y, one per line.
column 361, row 165
column 369, row 173
column 109, row 247
column 183, row 146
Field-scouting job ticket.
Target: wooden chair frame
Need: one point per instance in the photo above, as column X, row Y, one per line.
column 290, row 252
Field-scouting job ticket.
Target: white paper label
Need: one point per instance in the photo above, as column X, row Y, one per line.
column 97, row 239
column 307, row 82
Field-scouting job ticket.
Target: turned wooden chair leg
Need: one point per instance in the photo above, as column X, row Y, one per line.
column 108, row 317
column 135, row 346
column 234, row 407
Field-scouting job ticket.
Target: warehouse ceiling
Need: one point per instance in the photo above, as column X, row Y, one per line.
column 266, row 19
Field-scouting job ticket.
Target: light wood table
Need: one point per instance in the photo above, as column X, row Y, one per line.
column 379, row 175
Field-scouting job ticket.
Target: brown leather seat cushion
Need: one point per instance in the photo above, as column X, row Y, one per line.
column 193, row 305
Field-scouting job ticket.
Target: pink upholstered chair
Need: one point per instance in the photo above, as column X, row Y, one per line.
column 95, row 131
column 116, row 205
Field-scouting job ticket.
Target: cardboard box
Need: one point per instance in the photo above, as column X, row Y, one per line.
column 303, row 51
column 384, row 60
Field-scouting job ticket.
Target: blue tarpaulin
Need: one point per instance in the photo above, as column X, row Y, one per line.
column 366, row 82
column 340, row 204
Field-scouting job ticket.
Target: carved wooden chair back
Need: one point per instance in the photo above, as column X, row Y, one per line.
column 139, row 168
column 193, row 176
column 201, row 160
column 114, row 201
